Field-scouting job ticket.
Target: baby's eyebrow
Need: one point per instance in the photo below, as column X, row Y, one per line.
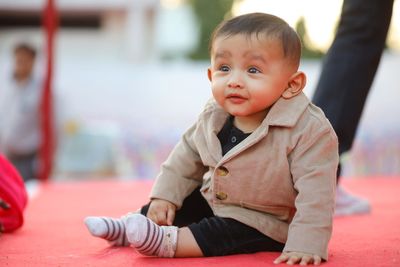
column 255, row 57
column 222, row 54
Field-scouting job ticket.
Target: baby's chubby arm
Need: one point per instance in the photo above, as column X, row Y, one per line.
column 162, row 212
column 313, row 165
column 298, row 257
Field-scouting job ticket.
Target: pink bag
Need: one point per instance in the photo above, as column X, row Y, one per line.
column 13, row 197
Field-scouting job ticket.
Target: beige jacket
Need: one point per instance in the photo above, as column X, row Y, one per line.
column 280, row 180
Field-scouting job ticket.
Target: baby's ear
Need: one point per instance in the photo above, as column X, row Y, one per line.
column 295, row 85
column 209, row 74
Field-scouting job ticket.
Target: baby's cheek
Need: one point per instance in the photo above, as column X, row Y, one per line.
column 217, row 93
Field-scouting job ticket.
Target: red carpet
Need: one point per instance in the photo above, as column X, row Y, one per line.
column 54, row 233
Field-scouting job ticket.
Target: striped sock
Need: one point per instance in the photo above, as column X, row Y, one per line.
column 150, row 239
column 110, row 229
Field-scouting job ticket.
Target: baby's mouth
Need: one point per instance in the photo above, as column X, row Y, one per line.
column 236, row 98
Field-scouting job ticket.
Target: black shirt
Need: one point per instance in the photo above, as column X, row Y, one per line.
column 230, row 136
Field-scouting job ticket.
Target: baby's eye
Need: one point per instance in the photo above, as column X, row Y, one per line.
column 224, row 68
column 254, row 70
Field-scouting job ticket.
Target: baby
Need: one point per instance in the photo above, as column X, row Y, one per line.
column 257, row 170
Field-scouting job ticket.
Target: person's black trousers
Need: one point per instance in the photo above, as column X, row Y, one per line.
column 351, row 63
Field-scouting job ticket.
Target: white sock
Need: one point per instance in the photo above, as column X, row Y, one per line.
column 150, row 239
column 110, row 229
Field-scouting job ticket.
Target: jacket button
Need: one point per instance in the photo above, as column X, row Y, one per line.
column 221, row 195
column 222, row 171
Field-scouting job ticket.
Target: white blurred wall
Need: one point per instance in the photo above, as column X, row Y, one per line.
column 137, row 31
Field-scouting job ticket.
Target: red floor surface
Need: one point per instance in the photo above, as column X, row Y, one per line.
column 54, row 233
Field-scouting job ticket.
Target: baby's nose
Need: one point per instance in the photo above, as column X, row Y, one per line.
column 235, row 81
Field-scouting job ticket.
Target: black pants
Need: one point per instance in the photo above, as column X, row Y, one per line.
column 218, row 236
column 350, row 65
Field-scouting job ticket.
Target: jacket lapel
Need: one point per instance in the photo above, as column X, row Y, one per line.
column 284, row 113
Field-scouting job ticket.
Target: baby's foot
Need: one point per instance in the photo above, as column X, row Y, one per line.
column 150, row 239
column 110, row 229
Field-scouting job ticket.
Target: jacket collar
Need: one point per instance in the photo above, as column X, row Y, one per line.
column 286, row 112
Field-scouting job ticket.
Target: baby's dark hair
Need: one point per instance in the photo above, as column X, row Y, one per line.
column 265, row 25
column 25, row 47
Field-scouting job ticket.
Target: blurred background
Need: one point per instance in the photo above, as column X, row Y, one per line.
column 130, row 77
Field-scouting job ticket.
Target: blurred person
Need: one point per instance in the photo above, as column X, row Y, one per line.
column 265, row 159
column 20, row 98
column 347, row 73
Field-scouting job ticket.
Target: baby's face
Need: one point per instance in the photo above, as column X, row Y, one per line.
column 248, row 74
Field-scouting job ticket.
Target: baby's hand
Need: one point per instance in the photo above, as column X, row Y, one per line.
column 161, row 212
column 298, row 257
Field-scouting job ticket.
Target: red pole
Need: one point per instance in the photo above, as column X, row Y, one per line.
column 50, row 22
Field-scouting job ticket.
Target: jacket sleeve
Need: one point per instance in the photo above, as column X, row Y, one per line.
column 181, row 173
column 313, row 165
